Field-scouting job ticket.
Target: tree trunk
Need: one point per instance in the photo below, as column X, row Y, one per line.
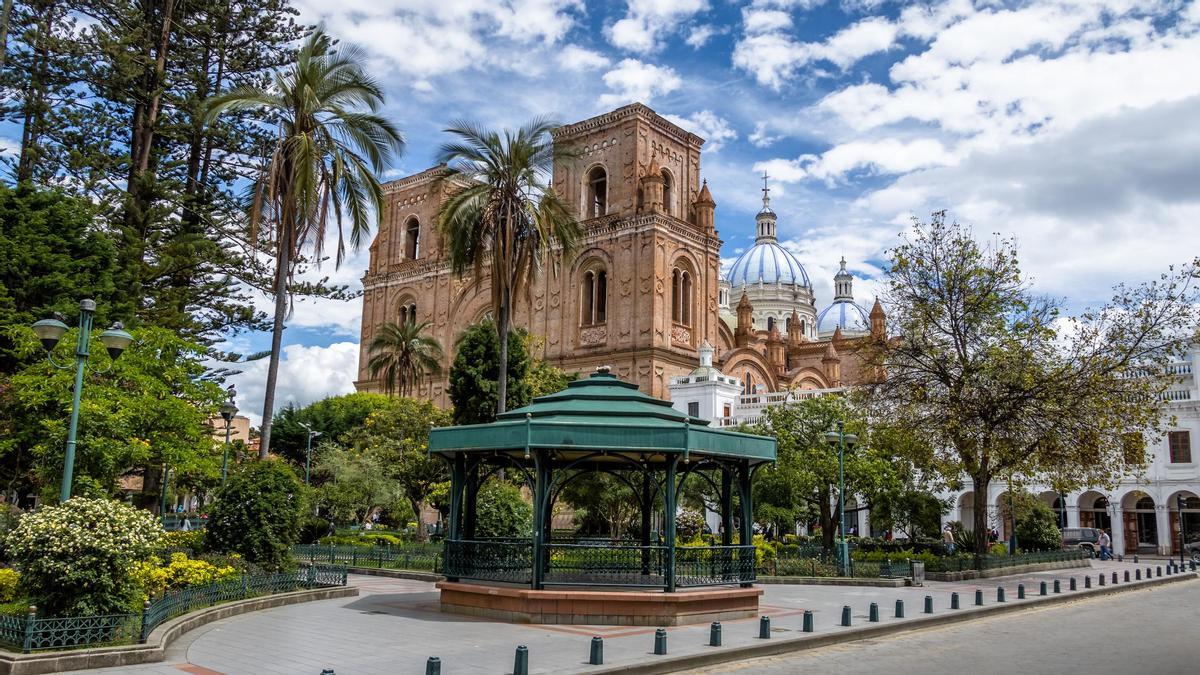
column 979, row 500
column 415, row 504
column 5, row 17
column 281, row 300
column 825, row 509
column 502, row 377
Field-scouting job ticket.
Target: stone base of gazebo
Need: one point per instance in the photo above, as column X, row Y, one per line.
column 607, row 608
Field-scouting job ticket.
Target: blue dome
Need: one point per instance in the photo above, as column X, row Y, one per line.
column 769, row 263
column 844, row 314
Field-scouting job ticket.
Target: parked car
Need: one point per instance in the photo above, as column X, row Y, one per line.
column 1083, row 538
column 1193, row 549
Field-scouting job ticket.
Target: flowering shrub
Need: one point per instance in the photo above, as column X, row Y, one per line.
column 8, row 584
column 76, row 558
column 191, row 539
column 181, row 571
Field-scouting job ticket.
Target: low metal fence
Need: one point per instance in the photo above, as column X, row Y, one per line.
column 489, row 560
column 31, row 633
column 824, row 564
column 714, row 565
column 607, row 563
column 386, row 556
column 966, row 563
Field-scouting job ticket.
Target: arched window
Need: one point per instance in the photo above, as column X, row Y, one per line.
column 593, row 297
column 667, row 192
column 408, row 312
column 770, row 323
column 749, row 384
column 597, row 193
column 1144, row 504
column 412, row 239
column 802, row 329
column 681, row 296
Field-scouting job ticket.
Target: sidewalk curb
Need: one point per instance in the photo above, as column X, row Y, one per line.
column 395, row 574
column 775, row 647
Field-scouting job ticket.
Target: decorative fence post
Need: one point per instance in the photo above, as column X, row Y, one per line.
column 30, row 622
column 145, row 622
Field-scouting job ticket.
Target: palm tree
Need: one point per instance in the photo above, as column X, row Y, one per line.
column 329, row 148
column 503, row 213
column 403, row 353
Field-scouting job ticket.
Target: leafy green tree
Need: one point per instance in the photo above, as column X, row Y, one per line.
column 258, row 514
column 330, row 147
column 356, row 483
column 502, row 511
column 398, row 434
column 504, row 212
column 805, row 475
column 475, row 375
column 544, row 378
column 402, row 353
column 1000, row 383
column 333, row 417
column 915, row 513
column 52, row 255
column 152, row 407
column 603, row 504
column 1037, row 529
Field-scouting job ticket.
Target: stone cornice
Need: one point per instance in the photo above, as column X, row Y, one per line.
column 427, row 176
column 639, row 110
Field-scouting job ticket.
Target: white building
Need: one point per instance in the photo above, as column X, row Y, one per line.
column 1142, row 514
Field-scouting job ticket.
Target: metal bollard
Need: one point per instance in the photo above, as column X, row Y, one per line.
column 1100, row 579
column 521, row 661
column 873, row 614
column 327, row 671
column 954, row 601
column 1191, row 565
column 1127, row 575
column 808, row 621
column 999, row 594
column 1137, row 574
column 1020, row 591
column 1071, row 584
column 1135, row 559
column 845, row 615
column 596, row 657
column 1121, row 558
column 1057, row 586
column 1149, row 572
column 899, row 609
column 1087, row 582
column 1042, row 588
column 714, row 634
column 432, row 667
column 979, row 597
column 660, row 641
column 929, row 604
column 764, row 628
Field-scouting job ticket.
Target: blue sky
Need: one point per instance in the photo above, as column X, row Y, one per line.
column 1071, row 125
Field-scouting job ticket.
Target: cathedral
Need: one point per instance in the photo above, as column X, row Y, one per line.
column 645, row 294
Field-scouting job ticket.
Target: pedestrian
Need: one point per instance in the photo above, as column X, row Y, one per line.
column 948, row 540
column 1105, row 543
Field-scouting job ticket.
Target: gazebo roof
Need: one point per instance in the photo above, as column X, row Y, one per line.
column 605, row 414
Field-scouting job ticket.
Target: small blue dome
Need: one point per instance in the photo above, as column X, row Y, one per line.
column 844, row 314
column 769, row 263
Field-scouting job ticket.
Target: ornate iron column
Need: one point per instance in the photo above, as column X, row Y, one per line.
column 669, row 522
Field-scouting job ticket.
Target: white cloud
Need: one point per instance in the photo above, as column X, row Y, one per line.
column 573, row 57
column 9, row 147
column 700, row 36
column 715, row 130
column 633, row 80
column 760, row 138
column 883, row 156
column 646, row 22
column 773, row 56
column 306, row 374
column 427, row 38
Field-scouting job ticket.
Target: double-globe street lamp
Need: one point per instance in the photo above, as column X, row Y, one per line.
column 308, row 449
column 840, row 439
column 228, row 411
column 115, row 340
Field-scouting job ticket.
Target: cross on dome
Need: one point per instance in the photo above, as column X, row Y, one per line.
column 766, row 193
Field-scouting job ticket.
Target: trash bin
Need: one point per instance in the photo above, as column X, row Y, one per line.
column 918, row 573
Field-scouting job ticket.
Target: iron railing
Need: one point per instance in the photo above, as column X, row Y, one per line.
column 965, row 563
column 32, row 633
column 495, row 560
column 609, row 564
column 386, row 556
column 714, row 565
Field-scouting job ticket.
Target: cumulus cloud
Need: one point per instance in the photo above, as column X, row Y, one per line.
column 700, row 36
column 574, row 57
column 760, row 137
column 883, row 156
column 773, row 56
column 715, row 130
column 646, row 22
column 633, row 80
column 306, row 374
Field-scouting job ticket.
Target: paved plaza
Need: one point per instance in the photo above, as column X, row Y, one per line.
column 395, row 625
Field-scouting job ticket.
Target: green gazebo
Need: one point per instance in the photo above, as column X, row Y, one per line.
column 602, row 424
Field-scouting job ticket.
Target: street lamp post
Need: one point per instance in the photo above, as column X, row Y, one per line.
column 115, row 340
column 228, row 411
column 308, row 449
column 841, row 439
